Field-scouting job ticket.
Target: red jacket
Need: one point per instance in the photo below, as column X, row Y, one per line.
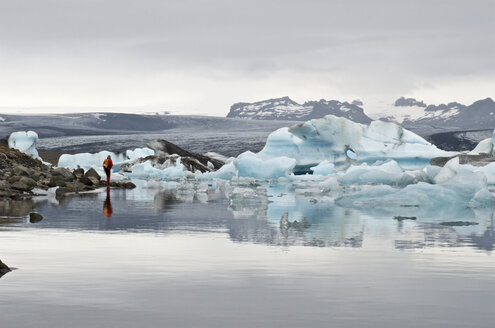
column 108, row 162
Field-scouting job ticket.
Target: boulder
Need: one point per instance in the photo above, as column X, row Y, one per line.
column 22, row 186
column 13, row 179
column 35, row 217
column 78, row 173
column 475, row 160
column 56, row 181
column 63, row 172
column 87, row 181
column 123, row 185
column 28, row 181
column 4, row 185
column 92, row 173
column 95, row 181
column 72, row 187
column 22, row 171
column 162, row 147
column 129, row 185
column 3, row 269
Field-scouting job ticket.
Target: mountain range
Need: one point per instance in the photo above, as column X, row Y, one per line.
column 409, row 112
column 287, row 109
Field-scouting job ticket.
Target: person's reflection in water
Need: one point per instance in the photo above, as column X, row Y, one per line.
column 107, row 206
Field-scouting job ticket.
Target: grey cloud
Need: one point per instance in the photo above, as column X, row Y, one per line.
column 356, row 44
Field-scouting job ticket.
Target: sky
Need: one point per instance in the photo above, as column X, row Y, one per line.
column 200, row 57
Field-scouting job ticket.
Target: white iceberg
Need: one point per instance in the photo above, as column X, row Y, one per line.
column 324, row 168
column 342, row 141
column 389, row 173
column 484, row 146
column 464, row 189
column 25, row 142
column 147, row 171
column 88, row 160
column 250, row 165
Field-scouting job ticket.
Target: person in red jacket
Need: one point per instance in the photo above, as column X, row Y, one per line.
column 107, row 166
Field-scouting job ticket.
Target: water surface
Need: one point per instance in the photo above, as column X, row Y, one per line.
column 189, row 256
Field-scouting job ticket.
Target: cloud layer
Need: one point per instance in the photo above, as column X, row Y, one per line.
column 201, row 56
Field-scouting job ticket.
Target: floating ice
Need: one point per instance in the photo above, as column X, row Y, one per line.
column 448, row 171
column 146, row 170
column 340, row 141
column 226, row 172
column 25, row 142
column 324, row 168
column 464, row 189
column 249, row 164
column 389, row 173
column 87, row 160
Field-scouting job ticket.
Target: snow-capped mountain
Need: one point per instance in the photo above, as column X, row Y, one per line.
column 453, row 116
column 287, row 109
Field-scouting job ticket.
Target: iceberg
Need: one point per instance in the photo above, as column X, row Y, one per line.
column 389, row 173
column 88, row 160
column 484, row 146
column 343, row 142
column 464, row 189
column 324, row 168
column 146, row 170
column 250, row 165
column 24, row 142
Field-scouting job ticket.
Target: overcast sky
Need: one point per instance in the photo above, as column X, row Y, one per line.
column 200, row 57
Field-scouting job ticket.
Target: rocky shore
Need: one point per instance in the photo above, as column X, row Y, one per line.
column 21, row 176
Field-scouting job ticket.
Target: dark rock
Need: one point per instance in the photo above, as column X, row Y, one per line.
column 36, row 177
column 3, row 269
column 402, row 218
column 28, row 181
column 72, row 187
column 87, row 181
column 4, row 185
column 95, row 181
column 78, row 173
column 123, row 185
column 35, row 217
column 129, row 185
column 66, row 174
column 13, row 179
column 22, row 171
column 165, row 147
column 57, row 181
column 92, row 173
column 458, row 223
column 475, row 160
column 22, row 186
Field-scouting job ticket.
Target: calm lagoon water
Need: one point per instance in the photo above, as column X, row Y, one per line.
column 170, row 256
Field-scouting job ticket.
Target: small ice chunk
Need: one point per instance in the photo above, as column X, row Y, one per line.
column 249, row 164
column 146, row 170
column 484, row 146
column 448, row 171
column 324, row 168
